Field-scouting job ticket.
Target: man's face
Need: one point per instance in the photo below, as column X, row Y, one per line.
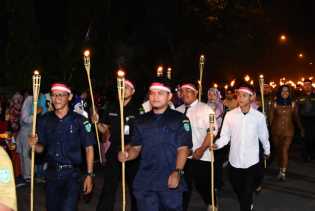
column 307, row 87
column 212, row 97
column 188, row 95
column 128, row 92
column 229, row 95
column 60, row 99
column 244, row 99
column 159, row 99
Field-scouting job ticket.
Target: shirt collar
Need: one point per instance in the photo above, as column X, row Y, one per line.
column 193, row 103
column 250, row 110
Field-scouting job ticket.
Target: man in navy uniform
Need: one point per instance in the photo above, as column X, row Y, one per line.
column 163, row 139
column 62, row 134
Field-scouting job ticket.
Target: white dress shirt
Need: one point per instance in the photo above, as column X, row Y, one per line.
column 244, row 131
column 198, row 114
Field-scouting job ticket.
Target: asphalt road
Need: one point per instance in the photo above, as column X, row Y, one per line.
column 297, row 193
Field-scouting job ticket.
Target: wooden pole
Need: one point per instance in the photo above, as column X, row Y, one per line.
column 261, row 85
column 201, row 67
column 87, row 65
column 211, row 130
column 121, row 95
column 36, row 87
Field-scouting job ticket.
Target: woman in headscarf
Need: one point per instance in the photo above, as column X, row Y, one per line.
column 282, row 117
column 215, row 102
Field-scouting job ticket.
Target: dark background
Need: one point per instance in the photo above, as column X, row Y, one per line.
column 236, row 36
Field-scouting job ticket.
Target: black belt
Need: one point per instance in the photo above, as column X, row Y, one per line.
column 60, row 167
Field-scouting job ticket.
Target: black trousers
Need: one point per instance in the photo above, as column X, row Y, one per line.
column 244, row 183
column 112, row 179
column 309, row 139
column 197, row 173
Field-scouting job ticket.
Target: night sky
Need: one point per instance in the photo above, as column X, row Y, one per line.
column 236, row 38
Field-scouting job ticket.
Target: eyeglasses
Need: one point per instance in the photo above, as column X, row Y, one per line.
column 59, row 95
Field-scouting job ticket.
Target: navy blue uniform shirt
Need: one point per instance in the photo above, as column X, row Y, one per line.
column 159, row 135
column 64, row 138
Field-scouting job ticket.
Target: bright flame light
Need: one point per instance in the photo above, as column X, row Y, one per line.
column 86, row 53
column 247, row 78
column 36, row 72
column 215, row 85
column 120, row 73
column 232, row 83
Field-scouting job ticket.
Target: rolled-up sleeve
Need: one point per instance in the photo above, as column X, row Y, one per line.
column 184, row 134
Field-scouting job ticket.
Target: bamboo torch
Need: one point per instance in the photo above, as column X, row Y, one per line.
column 261, row 85
column 201, row 67
column 87, row 65
column 211, row 131
column 121, row 94
column 36, row 87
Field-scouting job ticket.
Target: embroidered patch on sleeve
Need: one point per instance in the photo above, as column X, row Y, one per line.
column 5, row 176
column 88, row 126
column 186, row 124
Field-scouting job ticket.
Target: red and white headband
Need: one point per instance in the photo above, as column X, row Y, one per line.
column 159, row 86
column 189, row 86
column 128, row 83
column 60, row 87
column 246, row 90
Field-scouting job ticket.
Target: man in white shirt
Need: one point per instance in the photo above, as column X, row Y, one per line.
column 243, row 128
column 198, row 167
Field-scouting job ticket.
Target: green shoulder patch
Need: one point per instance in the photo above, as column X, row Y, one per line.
column 5, row 176
column 186, row 124
column 88, row 126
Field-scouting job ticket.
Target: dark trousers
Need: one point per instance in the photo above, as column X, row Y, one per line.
column 112, row 179
column 63, row 190
column 171, row 200
column 309, row 139
column 198, row 173
column 244, row 183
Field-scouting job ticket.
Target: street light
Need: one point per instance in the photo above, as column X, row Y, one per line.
column 283, row 38
column 301, row 55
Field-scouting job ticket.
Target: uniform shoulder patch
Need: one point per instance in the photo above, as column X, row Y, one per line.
column 87, row 126
column 186, row 124
column 5, row 176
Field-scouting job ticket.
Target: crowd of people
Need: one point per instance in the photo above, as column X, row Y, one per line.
column 167, row 142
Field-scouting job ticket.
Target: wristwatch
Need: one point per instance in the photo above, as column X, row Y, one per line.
column 91, row 174
column 180, row 172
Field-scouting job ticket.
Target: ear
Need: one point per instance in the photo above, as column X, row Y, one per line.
column 170, row 95
column 252, row 97
column 70, row 97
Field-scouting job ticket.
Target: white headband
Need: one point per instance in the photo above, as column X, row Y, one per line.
column 159, row 86
column 60, row 87
column 188, row 86
column 245, row 90
column 128, row 83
